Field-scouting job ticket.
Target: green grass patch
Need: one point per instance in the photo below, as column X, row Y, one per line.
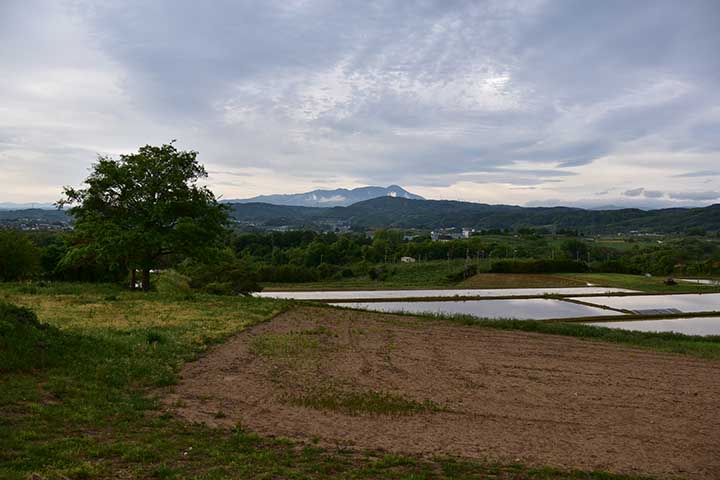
column 370, row 402
column 284, row 344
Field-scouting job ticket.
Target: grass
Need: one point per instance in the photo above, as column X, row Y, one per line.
column 637, row 282
column 372, row 402
column 284, row 344
column 78, row 401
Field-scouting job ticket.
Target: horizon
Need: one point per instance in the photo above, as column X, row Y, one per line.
column 530, row 104
column 10, row 206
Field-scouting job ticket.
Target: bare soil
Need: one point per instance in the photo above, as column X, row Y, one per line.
column 540, row 400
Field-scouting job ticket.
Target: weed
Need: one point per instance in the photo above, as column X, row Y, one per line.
column 283, row 345
column 372, row 402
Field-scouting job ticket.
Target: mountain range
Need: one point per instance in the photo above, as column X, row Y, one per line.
column 405, row 213
column 389, row 212
column 340, row 197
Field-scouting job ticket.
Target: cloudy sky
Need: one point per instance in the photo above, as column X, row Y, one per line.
column 523, row 102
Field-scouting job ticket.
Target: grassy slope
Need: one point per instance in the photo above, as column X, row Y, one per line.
column 433, row 274
column 89, row 411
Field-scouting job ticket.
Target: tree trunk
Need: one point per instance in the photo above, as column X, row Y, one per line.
column 133, row 279
column 146, row 279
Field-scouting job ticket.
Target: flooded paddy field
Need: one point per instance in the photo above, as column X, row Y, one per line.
column 520, row 309
column 686, row 326
column 436, row 293
column 658, row 304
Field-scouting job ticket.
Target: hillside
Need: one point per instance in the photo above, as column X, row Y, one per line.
column 392, row 212
column 388, row 212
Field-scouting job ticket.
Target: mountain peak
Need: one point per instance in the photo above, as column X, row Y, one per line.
column 340, row 197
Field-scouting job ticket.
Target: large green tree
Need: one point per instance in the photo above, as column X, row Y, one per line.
column 142, row 208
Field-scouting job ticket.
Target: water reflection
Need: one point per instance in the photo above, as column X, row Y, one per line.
column 525, row 309
column 642, row 304
column 688, row 326
column 473, row 292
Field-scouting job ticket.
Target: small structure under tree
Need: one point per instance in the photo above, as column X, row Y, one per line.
column 145, row 206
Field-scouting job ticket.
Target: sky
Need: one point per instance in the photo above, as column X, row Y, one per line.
column 534, row 102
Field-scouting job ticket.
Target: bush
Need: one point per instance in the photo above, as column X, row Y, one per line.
column 614, row 266
column 231, row 277
column 218, row 288
column 539, row 266
column 381, row 273
column 325, row 270
column 174, row 284
column 18, row 256
column 288, row 274
column 25, row 343
column 466, row 272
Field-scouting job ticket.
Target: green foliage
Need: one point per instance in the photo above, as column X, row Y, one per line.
column 575, row 249
column 539, row 266
column 175, row 285
column 466, row 272
column 381, row 273
column 25, row 343
column 288, row 274
column 371, row 402
column 224, row 276
column 19, row 258
column 142, row 208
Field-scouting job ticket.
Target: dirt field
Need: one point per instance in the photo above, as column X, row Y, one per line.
column 375, row 381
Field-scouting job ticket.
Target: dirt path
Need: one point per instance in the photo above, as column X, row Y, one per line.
column 503, row 396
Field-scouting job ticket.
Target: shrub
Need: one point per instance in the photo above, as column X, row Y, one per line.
column 380, row 273
column 174, row 284
column 223, row 278
column 25, row 343
column 218, row 288
column 539, row 266
column 466, row 272
column 18, row 256
column 288, row 274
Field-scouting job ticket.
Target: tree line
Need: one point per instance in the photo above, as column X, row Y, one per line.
column 150, row 211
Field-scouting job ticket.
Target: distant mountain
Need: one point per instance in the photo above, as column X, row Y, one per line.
column 25, row 206
column 340, row 197
column 387, row 212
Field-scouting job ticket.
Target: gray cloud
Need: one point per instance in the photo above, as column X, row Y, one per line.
column 653, row 194
column 635, row 192
column 562, row 96
column 702, row 173
column 695, row 195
